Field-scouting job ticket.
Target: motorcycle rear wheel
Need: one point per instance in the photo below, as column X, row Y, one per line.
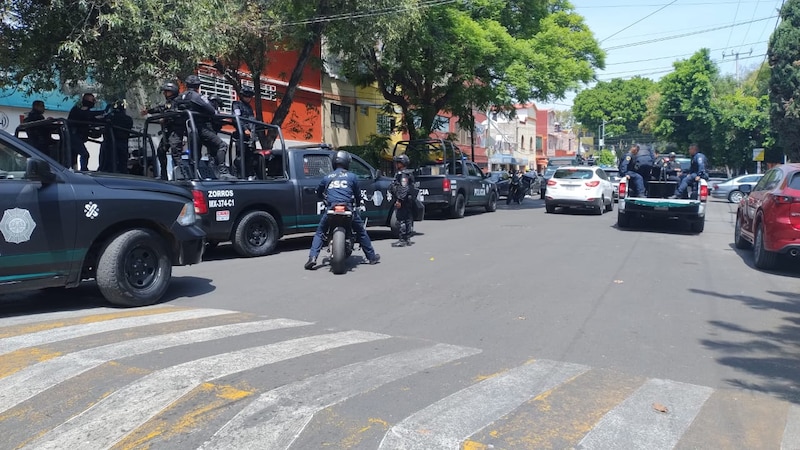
column 338, row 252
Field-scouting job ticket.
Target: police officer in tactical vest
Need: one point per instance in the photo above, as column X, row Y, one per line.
column 627, row 168
column 645, row 160
column 697, row 170
column 172, row 129
column 341, row 187
column 403, row 192
column 192, row 100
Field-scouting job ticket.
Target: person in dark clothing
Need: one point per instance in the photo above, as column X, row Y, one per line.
column 192, row 100
column 627, row 168
column 39, row 137
column 645, row 160
column 697, row 171
column 173, row 129
column 114, row 149
column 340, row 187
column 403, row 192
column 80, row 121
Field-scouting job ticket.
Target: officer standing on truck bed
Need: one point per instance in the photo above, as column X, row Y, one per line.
column 627, row 168
column 172, row 132
column 192, row 100
column 697, row 170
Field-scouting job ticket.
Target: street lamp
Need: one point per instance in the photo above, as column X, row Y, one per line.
column 602, row 131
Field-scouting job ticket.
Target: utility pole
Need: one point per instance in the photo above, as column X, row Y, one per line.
column 736, row 55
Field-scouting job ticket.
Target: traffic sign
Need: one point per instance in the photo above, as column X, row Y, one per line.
column 758, row 154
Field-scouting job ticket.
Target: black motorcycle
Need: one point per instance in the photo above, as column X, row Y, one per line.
column 516, row 190
column 340, row 238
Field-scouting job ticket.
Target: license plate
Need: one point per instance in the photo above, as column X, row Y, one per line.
column 570, row 188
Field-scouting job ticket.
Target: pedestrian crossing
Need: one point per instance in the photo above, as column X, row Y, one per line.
column 167, row 377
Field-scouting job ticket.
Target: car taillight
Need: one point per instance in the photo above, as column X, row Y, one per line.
column 551, row 182
column 446, row 185
column 703, row 193
column 592, row 183
column 339, row 208
column 784, row 199
column 199, row 200
column 623, row 189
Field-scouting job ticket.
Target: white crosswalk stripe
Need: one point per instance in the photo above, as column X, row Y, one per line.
column 123, row 411
column 639, row 425
column 277, row 418
column 791, row 434
column 58, row 315
column 33, row 380
column 448, row 422
column 11, row 344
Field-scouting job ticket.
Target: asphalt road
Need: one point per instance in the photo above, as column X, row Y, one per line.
column 513, row 329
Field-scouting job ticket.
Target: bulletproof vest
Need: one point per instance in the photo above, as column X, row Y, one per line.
column 644, row 158
column 340, row 187
column 402, row 185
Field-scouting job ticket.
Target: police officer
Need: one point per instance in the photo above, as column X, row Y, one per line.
column 39, row 137
column 345, row 190
column 242, row 106
column 402, row 190
column 192, row 100
column 114, row 149
column 172, row 129
column 80, row 120
column 672, row 167
column 627, row 168
column 644, row 165
column 697, row 170
column 218, row 103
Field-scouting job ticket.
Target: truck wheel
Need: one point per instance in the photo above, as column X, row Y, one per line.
column 735, row 196
column 738, row 240
column 492, row 205
column 623, row 221
column 134, row 269
column 601, row 206
column 338, row 252
column 764, row 259
column 459, row 207
column 550, row 208
column 698, row 226
column 256, row 234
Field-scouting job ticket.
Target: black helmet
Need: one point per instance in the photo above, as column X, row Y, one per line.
column 193, row 81
column 171, row 87
column 216, row 100
column 120, row 105
column 247, row 91
column 342, row 159
column 402, row 159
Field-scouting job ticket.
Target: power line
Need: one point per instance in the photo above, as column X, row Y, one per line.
column 669, row 69
column 735, row 16
column 676, row 36
column 676, row 56
column 634, row 23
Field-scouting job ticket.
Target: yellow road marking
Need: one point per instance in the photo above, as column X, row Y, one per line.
column 44, row 326
column 15, row 361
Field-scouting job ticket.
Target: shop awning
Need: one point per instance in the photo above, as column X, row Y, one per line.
column 508, row 159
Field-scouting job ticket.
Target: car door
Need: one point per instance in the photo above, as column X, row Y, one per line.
column 37, row 222
column 756, row 199
column 313, row 166
column 374, row 191
column 479, row 186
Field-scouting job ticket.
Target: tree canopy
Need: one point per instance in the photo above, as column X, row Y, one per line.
column 622, row 104
column 784, row 83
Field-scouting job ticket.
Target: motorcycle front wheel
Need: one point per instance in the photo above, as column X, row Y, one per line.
column 338, row 251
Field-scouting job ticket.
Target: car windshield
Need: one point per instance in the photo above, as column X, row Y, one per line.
column 573, row 174
column 549, row 173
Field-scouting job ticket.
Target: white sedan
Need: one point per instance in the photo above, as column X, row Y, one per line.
column 580, row 187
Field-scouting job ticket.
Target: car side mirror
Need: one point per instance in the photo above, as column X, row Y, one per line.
column 37, row 169
column 746, row 188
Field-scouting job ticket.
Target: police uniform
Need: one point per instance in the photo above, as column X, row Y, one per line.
column 341, row 187
column 174, row 132
column 696, row 169
column 193, row 101
column 644, row 165
column 627, row 167
column 402, row 190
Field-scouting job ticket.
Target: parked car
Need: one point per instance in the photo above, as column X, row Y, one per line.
column 580, row 187
column 613, row 176
column 731, row 189
column 716, row 177
column 501, row 179
column 548, row 173
column 768, row 218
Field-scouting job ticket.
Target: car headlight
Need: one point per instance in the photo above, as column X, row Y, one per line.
column 187, row 215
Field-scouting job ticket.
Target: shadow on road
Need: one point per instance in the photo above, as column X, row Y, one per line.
column 778, row 350
column 786, row 265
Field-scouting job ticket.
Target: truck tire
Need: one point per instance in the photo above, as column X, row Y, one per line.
column 610, row 206
column 491, row 206
column 256, row 234
column 134, row 268
column 338, row 252
column 698, row 225
column 459, row 207
column 600, row 207
column 739, row 241
column 550, row 208
column 623, row 221
column 764, row 259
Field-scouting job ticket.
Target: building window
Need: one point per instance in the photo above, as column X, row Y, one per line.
column 219, row 86
column 385, row 124
column 340, row 116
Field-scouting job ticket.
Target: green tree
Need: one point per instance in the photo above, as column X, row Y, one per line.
column 606, row 158
column 609, row 100
column 742, row 124
column 784, row 83
column 685, row 112
column 478, row 54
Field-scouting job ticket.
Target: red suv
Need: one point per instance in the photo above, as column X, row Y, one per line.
column 769, row 218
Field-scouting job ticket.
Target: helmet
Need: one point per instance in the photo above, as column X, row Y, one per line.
column 171, row 87
column 247, row 91
column 193, row 81
column 216, row 100
column 342, row 159
column 120, row 105
column 402, row 159
column 671, row 154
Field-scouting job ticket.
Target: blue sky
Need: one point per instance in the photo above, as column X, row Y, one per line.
column 645, row 37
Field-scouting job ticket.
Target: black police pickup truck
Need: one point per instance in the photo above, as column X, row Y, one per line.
column 447, row 180
column 270, row 192
column 61, row 227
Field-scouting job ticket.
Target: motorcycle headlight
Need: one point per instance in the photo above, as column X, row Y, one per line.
column 187, row 215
